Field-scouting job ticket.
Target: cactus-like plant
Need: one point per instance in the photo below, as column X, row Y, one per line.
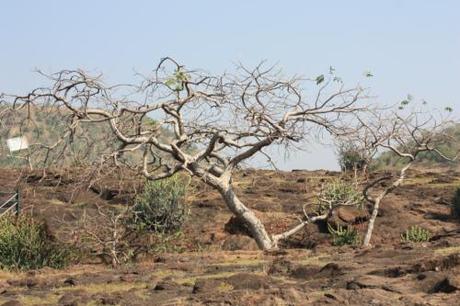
column 343, row 235
column 416, row 234
column 339, row 193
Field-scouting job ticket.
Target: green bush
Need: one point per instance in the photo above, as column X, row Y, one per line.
column 350, row 157
column 456, row 204
column 336, row 193
column 25, row 244
column 343, row 236
column 160, row 207
column 416, row 234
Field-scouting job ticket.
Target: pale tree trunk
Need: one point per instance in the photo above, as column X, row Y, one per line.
column 244, row 214
column 378, row 200
column 370, row 225
column 255, row 226
column 239, row 210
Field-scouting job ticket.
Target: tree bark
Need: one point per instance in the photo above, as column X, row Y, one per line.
column 370, row 225
column 378, row 200
column 255, row 226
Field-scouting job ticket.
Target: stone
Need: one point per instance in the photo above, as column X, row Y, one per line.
column 12, row 303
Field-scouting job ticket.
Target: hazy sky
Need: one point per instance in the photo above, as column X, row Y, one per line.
column 412, row 47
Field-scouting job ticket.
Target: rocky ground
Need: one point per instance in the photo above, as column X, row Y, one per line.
column 216, row 264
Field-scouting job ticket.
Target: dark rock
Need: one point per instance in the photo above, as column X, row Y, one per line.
column 330, row 269
column 330, row 296
column 368, row 282
column 70, row 281
column 394, row 272
column 288, row 190
column 446, row 285
column 105, row 193
column 352, row 215
column 421, row 276
column 206, row 204
column 12, row 303
column 343, row 216
column 31, row 282
column 352, row 285
column 166, row 285
column 236, row 226
column 159, row 259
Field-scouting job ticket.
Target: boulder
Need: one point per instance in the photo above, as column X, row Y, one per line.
column 236, row 226
column 448, row 284
column 347, row 215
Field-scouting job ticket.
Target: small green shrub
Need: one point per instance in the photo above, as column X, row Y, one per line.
column 456, row 204
column 161, row 208
column 350, row 157
column 25, row 244
column 416, row 234
column 338, row 193
column 343, row 236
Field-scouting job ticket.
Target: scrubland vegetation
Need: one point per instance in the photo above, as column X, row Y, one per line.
column 169, row 213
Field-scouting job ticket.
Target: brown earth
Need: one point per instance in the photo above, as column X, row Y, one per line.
column 219, row 265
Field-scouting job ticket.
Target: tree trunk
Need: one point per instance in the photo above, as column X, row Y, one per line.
column 255, row 226
column 378, row 200
column 370, row 225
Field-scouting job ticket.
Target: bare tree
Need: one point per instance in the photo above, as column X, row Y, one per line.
column 215, row 122
column 107, row 234
column 406, row 135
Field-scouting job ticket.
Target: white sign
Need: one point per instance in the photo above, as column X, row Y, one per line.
column 17, row 143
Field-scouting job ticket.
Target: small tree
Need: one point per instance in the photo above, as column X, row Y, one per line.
column 107, row 234
column 226, row 118
column 352, row 158
column 406, row 134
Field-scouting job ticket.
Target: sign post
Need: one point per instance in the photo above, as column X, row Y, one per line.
column 17, row 144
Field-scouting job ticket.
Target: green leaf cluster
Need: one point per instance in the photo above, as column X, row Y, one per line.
column 344, row 235
column 177, row 81
column 338, row 192
column 416, row 234
column 161, row 208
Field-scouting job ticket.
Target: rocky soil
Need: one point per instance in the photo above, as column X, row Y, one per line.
column 215, row 263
